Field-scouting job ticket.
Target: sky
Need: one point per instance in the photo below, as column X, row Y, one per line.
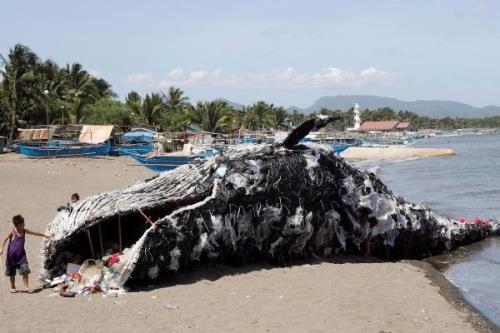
column 285, row 52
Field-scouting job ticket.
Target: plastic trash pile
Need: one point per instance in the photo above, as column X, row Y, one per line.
column 92, row 277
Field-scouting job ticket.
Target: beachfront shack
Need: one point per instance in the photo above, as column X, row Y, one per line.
column 384, row 126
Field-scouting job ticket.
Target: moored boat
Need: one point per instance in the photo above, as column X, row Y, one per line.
column 128, row 148
column 340, row 147
column 161, row 163
column 52, row 151
column 170, row 161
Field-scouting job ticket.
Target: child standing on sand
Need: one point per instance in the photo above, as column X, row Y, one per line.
column 16, row 255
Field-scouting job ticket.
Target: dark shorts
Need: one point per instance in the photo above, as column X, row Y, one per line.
column 22, row 268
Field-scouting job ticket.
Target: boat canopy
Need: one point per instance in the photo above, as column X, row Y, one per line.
column 33, row 134
column 95, row 134
column 140, row 135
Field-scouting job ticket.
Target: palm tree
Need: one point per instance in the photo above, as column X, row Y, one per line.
column 217, row 116
column 263, row 114
column 148, row 109
column 279, row 117
column 296, row 118
column 178, row 110
column 49, row 93
column 175, row 121
column 3, row 112
column 133, row 101
column 152, row 106
column 175, row 99
column 103, row 88
column 81, row 89
column 17, row 81
column 250, row 121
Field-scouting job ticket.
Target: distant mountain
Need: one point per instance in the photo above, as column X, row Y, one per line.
column 430, row 108
column 235, row 105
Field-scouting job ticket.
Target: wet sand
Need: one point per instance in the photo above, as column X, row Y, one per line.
column 351, row 296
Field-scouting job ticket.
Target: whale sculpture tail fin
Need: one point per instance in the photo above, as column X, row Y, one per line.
column 495, row 227
column 303, row 129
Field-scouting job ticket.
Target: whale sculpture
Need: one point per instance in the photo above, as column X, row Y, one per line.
column 270, row 202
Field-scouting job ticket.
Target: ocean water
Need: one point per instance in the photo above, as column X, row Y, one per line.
column 466, row 185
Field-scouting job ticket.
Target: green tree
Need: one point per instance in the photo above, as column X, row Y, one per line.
column 175, row 100
column 280, row 116
column 107, row 111
column 17, row 82
column 3, row 113
column 263, row 113
column 296, row 118
column 217, row 116
column 147, row 109
column 48, row 94
column 249, row 121
column 178, row 111
column 82, row 89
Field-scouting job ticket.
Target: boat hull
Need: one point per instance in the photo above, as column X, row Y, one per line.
column 126, row 149
column 49, row 151
column 162, row 163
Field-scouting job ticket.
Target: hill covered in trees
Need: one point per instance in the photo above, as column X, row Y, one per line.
column 425, row 108
column 33, row 90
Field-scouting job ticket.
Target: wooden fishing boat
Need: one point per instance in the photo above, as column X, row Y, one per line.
column 54, row 151
column 340, row 147
column 128, row 148
column 161, row 163
column 171, row 161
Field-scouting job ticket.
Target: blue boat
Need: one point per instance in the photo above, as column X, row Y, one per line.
column 131, row 148
column 337, row 148
column 161, row 163
column 53, row 151
column 340, row 145
column 140, row 135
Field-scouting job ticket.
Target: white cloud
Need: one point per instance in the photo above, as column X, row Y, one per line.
column 176, row 73
column 139, row 78
column 199, row 75
column 288, row 77
column 371, row 72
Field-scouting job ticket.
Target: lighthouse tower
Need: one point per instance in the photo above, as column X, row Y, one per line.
column 357, row 117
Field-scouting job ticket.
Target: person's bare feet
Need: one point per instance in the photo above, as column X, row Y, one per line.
column 29, row 291
column 13, row 290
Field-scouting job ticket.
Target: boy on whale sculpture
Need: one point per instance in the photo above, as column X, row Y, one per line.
column 271, row 202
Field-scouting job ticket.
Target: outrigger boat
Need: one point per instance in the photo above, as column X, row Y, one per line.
column 94, row 140
column 132, row 148
column 171, row 161
column 161, row 163
column 340, row 147
column 52, row 151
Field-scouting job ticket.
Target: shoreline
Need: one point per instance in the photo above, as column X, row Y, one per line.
column 454, row 296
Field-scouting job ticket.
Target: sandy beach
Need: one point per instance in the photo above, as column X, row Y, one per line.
column 341, row 295
column 393, row 153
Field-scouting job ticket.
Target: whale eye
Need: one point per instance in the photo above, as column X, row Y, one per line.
column 292, row 226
